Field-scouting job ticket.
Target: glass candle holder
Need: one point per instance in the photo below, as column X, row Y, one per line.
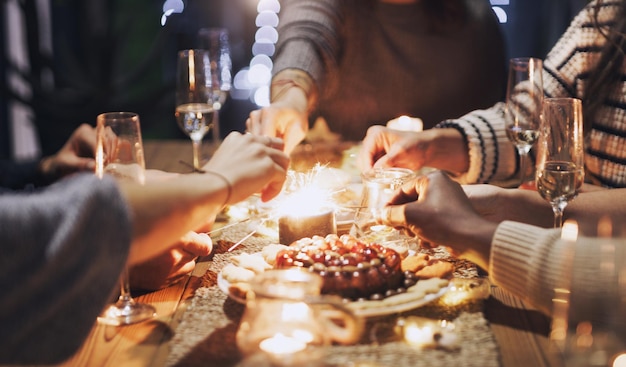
column 379, row 186
column 292, row 227
column 288, row 323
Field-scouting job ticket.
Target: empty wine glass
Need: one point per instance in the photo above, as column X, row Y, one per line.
column 119, row 153
column 523, row 107
column 560, row 155
column 194, row 98
column 215, row 40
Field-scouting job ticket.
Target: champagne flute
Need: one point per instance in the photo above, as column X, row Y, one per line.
column 119, row 153
column 560, row 154
column 215, row 40
column 194, row 98
column 523, row 107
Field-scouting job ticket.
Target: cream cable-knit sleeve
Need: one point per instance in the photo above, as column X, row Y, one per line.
column 525, row 261
column 531, row 262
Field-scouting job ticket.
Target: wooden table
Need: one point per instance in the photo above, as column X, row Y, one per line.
column 521, row 333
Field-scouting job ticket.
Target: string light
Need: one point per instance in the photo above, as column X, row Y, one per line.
column 171, row 7
column 253, row 81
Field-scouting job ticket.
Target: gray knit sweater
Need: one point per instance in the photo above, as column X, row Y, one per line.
column 493, row 157
column 61, row 253
column 374, row 63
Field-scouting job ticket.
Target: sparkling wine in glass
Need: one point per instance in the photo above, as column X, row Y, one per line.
column 523, row 107
column 215, row 40
column 560, row 154
column 119, row 153
column 194, row 98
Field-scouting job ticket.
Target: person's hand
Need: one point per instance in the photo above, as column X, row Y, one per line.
column 251, row 163
column 279, row 121
column 383, row 147
column 171, row 266
column 437, row 148
column 436, row 209
column 76, row 155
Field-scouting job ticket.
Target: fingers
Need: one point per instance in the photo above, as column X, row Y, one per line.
column 85, row 136
column 196, row 244
column 254, row 123
column 393, row 216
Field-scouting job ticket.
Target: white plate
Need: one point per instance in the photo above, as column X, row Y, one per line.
column 367, row 308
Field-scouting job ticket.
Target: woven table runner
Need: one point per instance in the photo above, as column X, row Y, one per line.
column 206, row 334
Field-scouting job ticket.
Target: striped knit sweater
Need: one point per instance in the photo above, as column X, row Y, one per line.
column 566, row 67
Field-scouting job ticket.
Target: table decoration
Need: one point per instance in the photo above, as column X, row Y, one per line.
column 207, row 330
column 422, row 332
column 287, row 320
column 299, row 224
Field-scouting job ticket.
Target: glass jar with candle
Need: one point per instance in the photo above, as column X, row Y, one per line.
column 379, row 185
column 288, row 323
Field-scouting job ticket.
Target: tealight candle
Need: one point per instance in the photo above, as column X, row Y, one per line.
column 406, row 123
column 292, row 227
column 281, row 344
column 426, row 333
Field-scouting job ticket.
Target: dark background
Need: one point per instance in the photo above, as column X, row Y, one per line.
column 112, row 55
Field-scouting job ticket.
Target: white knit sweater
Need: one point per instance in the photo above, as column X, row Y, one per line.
column 493, row 157
column 531, row 262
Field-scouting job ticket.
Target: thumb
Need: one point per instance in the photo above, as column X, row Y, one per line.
column 382, row 162
column 198, row 244
column 393, row 216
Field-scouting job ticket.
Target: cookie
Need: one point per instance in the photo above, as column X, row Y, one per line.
column 269, row 252
column 236, row 274
column 414, row 263
column 251, row 262
column 436, row 269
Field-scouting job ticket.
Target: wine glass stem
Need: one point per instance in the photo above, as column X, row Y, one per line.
column 197, row 149
column 523, row 156
column 558, row 217
column 125, row 296
column 216, row 126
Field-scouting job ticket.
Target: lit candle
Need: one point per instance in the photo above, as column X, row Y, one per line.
column 406, row 123
column 426, row 333
column 292, row 227
column 465, row 290
column 280, row 345
column 192, row 71
column 421, row 336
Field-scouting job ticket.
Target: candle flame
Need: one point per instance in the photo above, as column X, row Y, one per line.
column 192, row 71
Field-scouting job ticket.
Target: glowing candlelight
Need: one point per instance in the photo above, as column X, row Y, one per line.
column 465, row 290
column 192, row 71
column 306, row 208
column 280, row 345
column 427, row 333
column 294, row 227
column 406, row 123
column 419, row 336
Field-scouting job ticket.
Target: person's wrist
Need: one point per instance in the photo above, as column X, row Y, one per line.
column 447, row 150
column 294, row 85
column 227, row 183
column 46, row 169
